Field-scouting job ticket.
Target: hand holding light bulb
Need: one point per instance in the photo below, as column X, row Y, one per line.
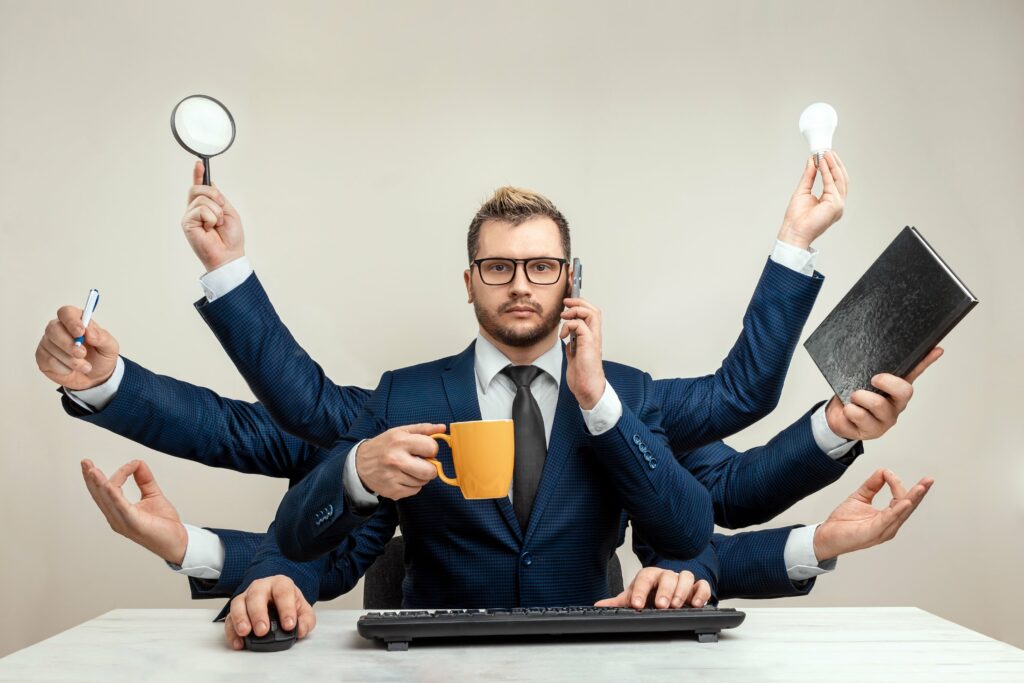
column 808, row 217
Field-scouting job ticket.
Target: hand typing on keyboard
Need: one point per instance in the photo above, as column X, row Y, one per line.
column 661, row 589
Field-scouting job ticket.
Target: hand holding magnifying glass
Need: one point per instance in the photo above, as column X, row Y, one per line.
column 212, row 226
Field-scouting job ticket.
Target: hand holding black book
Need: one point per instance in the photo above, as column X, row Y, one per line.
column 899, row 310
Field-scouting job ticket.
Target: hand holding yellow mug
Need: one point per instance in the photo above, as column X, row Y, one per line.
column 484, row 455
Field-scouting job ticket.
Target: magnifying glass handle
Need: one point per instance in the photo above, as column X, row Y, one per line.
column 206, row 170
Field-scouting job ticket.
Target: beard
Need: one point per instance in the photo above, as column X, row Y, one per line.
column 517, row 336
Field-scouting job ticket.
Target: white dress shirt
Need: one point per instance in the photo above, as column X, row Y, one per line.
column 204, row 555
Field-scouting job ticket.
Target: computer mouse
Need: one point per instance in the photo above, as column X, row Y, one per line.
column 275, row 639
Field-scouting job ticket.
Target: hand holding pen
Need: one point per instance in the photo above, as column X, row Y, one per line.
column 75, row 351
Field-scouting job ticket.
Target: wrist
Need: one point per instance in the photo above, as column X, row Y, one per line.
column 823, row 543
column 589, row 396
column 212, row 263
column 791, row 236
column 174, row 549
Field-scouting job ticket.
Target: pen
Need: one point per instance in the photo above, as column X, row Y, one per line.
column 90, row 306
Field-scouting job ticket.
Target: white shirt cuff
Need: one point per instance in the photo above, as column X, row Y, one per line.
column 801, row 562
column 204, row 554
column 605, row 414
column 99, row 396
column 220, row 281
column 795, row 258
column 828, row 441
column 356, row 493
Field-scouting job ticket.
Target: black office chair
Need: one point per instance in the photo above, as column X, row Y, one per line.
column 383, row 586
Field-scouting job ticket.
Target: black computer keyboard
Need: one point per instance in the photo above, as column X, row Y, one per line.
column 398, row 629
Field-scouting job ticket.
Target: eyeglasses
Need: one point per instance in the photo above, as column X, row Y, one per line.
column 542, row 270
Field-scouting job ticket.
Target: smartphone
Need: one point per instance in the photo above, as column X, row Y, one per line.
column 577, row 287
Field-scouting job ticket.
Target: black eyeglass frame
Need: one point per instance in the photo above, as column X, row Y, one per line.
column 515, row 266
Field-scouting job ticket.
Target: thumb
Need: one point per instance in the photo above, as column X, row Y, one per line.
column 618, row 601
column 197, row 173
column 425, row 428
column 807, row 179
column 97, row 337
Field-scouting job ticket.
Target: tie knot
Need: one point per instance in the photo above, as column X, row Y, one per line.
column 522, row 375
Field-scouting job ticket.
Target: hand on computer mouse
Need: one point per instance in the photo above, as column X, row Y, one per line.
column 250, row 614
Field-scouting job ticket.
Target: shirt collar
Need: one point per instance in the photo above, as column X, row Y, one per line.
column 489, row 361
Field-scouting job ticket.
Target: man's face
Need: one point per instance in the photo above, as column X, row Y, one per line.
column 519, row 313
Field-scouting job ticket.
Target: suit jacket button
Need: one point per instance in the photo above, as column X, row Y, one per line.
column 636, row 439
column 527, row 559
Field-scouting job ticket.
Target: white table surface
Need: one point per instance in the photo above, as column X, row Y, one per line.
column 773, row 644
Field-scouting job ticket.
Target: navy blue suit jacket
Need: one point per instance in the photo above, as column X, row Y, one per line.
column 192, row 422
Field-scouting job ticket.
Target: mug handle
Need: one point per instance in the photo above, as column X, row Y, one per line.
column 454, row 481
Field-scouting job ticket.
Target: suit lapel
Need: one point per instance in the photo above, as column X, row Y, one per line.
column 566, row 432
column 460, row 388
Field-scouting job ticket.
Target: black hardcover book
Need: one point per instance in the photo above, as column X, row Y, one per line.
column 898, row 311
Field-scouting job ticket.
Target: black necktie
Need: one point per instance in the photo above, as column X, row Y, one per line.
column 531, row 448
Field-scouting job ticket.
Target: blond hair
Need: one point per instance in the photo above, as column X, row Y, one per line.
column 515, row 205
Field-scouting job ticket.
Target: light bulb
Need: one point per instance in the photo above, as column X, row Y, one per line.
column 817, row 124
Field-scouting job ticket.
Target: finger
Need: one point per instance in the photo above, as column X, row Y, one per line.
column 577, row 327
column 578, row 312
column 197, row 173
column 665, row 589
column 306, row 615
column 48, row 363
column 701, row 594
column 283, row 597
column 684, row 585
column 239, row 615
column 571, row 302
column 95, row 481
column 842, row 170
column 425, row 428
column 932, row 356
column 403, row 479
column 231, row 636
column 419, row 445
column 807, row 179
column 208, row 191
column 878, row 406
column 145, row 480
column 212, row 205
column 900, row 391
column 71, row 318
column 619, row 600
column 642, row 586
column 917, row 493
column 64, row 357
column 120, row 476
column 895, row 484
column 828, row 182
column 837, row 174
column 871, row 486
column 60, row 337
column 208, row 217
column 862, row 419
column 256, row 600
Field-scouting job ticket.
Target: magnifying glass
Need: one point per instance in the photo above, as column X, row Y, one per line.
column 204, row 127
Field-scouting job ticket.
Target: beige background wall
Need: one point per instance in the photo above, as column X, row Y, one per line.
column 367, row 135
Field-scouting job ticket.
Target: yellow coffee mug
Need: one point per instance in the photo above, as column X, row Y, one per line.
column 484, row 455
